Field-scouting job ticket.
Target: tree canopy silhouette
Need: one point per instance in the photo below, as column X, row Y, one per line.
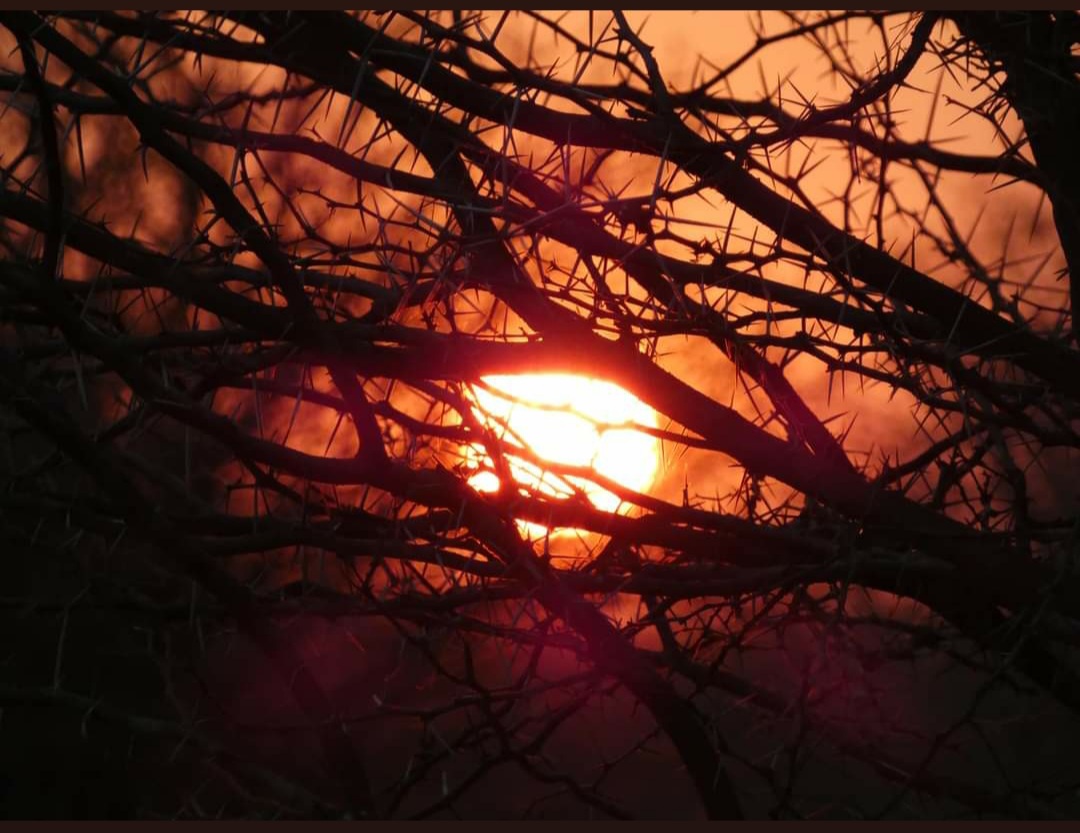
column 258, row 272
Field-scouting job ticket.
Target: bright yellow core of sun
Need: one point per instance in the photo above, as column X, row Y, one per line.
column 568, row 420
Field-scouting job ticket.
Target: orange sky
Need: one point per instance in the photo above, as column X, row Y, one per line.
column 685, row 45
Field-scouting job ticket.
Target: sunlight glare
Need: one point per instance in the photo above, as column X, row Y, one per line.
column 570, row 420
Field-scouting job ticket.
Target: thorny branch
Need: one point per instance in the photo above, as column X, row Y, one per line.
column 256, row 267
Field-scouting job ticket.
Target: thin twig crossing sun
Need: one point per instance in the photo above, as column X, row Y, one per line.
column 562, row 423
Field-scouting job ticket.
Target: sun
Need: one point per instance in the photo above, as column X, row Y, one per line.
column 568, row 420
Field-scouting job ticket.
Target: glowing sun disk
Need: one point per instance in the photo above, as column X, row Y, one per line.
column 568, row 420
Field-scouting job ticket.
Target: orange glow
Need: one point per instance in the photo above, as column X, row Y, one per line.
column 569, row 420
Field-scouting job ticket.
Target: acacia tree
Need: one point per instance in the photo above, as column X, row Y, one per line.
column 256, row 268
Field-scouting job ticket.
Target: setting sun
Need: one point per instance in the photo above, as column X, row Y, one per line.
column 568, row 420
